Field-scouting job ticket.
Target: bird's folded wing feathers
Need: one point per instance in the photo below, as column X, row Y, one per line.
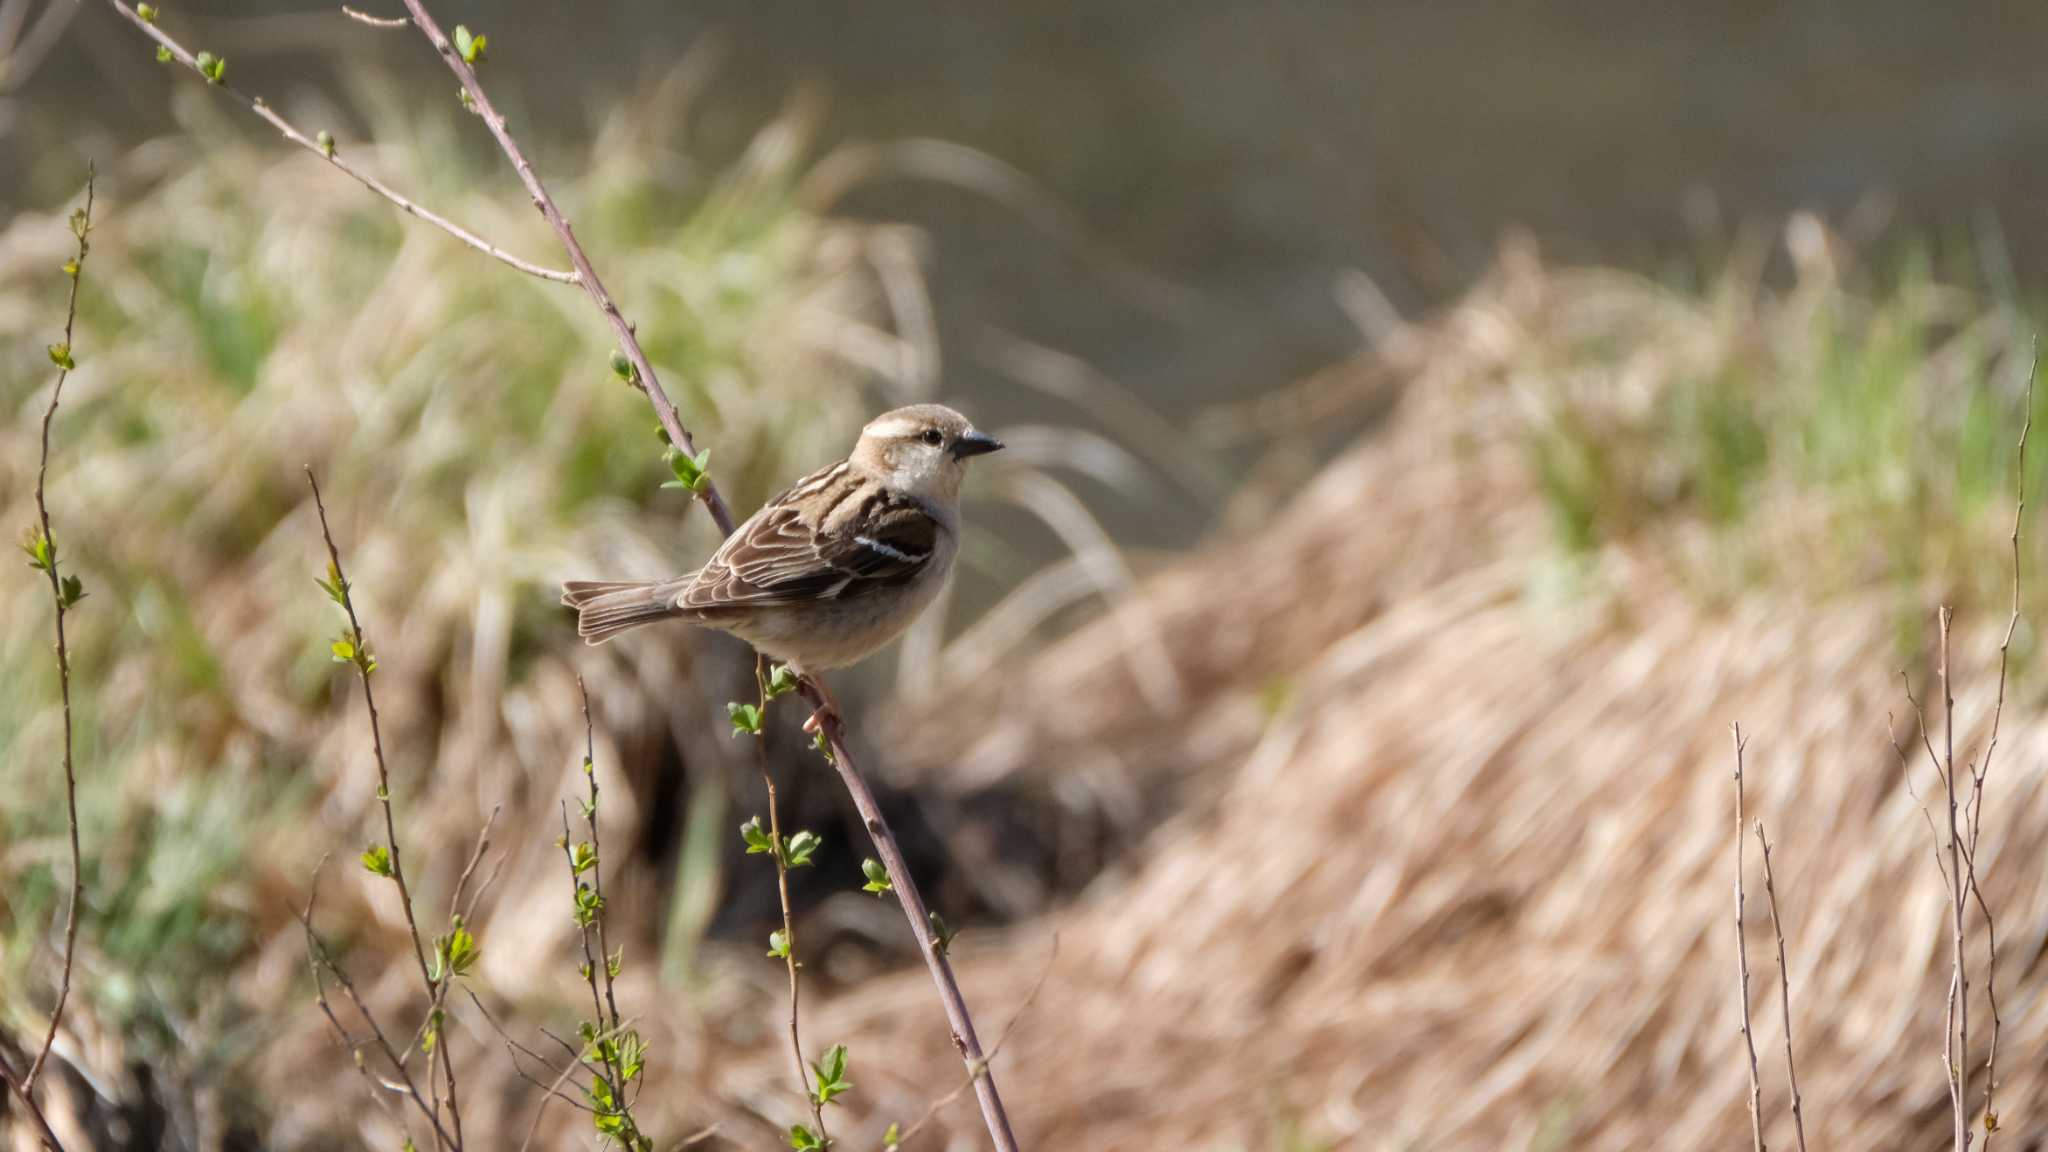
column 830, row 537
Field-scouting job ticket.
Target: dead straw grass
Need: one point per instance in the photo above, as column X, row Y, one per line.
column 1448, row 862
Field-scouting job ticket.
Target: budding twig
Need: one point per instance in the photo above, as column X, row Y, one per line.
column 364, row 664
column 63, row 594
column 323, row 146
column 778, row 854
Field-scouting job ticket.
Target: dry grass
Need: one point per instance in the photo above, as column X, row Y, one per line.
column 1447, row 866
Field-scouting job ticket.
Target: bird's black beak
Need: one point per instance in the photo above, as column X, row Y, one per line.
column 975, row 444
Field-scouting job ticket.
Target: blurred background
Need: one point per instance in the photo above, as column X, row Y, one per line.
column 1430, row 427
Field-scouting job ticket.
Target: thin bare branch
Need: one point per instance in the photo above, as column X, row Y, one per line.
column 946, row 1101
column 1756, row 1091
column 1784, row 988
column 1956, row 1033
column 324, row 147
column 1977, row 777
column 323, row 967
column 44, row 1132
column 375, row 21
column 62, row 598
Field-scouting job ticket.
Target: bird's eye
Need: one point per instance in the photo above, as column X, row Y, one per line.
column 934, row 437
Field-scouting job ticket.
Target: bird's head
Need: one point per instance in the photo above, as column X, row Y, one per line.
column 922, row 450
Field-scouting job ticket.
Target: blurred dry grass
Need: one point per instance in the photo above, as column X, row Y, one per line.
column 1404, row 801
column 1445, row 859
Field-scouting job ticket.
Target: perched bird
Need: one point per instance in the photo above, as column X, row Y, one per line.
column 833, row 568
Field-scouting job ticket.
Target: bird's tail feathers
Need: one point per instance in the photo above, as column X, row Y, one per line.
column 605, row 608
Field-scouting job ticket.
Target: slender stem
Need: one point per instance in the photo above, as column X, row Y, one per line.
column 671, row 422
column 597, row 848
column 363, row 665
column 608, row 1068
column 43, row 1130
column 964, row 1039
column 1956, row 1038
column 597, row 969
column 57, row 597
column 2012, row 623
column 796, row 1043
column 1784, row 989
column 334, row 156
column 1756, row 1091
column 995, row 1049
column 321, row 961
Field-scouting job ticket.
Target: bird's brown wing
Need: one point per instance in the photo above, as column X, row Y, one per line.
column 830, row 537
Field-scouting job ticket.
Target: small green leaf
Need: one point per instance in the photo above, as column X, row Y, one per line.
column 71, row 269
column 455, row 953
column 344, row 651
column 745, row 718
column 821, row 744
column 72, row 591
column 802, row 1139
column 831, row 1073
column 377, row 860
column 582, row 858
column 147, row 12
column 589, row 905
column 212, row 67
column 757, row 838
column 778, row 944
column 80, row 223
column 877, row 876
column 163, row 54
column 468, row 101
column 60, row 355
column 42, row 551
column 693, row 473
column 468, row 46
column 891, row 1137
column 781, row 681
column 801, row 847
column 335, row 587
column 615, row 961
column 942, row 936
column 326, row 142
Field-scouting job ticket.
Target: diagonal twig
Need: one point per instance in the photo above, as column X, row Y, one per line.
column 1784, row 989
column 323, row 147
column 996, row 1049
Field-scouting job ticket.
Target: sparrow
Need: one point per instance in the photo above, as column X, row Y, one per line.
column 833, row 568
